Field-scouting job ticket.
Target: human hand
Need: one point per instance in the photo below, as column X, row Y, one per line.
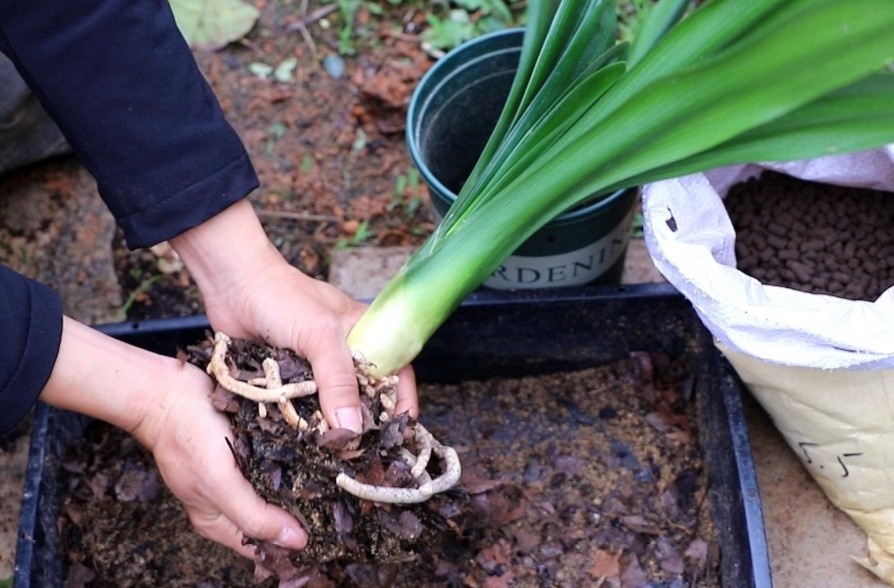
column 165, row 404
column 250, row 291
column 186, row 436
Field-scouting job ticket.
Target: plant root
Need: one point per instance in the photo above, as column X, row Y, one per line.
column 274, row 390
column 385, row 389
column 381, row 389
column 427, row 486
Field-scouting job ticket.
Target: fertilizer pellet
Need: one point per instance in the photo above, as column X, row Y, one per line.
column 814, row 237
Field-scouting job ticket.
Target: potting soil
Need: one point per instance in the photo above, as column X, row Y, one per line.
column 586, row 478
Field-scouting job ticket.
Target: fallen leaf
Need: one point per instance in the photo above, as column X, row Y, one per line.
column 605, row 564
column 633, row 574
column 212, row 24
column 474, row 481
column 137, row 485
column 504, row 581
column 697, row 552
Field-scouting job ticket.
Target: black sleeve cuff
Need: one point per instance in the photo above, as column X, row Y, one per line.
column 31, row 321
column 190, row 207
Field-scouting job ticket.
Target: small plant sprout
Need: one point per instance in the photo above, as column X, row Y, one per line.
column 362, row 233
column 462, row 20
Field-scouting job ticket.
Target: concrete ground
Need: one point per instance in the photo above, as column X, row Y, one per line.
column 810, row 542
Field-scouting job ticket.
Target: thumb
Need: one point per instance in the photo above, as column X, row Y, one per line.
column 337, row 384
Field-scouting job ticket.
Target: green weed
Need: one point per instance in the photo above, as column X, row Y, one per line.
column 362, row 235
column 407, row 193
column 275, row 132
column 144, row 287
column 454, row 22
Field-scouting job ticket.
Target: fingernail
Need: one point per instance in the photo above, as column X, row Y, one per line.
column 349, row 418
column 290, row 538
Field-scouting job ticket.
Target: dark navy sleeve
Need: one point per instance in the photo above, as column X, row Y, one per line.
column 31, row 323
column 124, row 88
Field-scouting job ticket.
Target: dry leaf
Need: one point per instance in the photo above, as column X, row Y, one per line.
column 606, row 564
column 212, row 24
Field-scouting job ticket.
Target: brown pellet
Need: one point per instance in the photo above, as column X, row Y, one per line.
column 801, row 271
column 814, row 237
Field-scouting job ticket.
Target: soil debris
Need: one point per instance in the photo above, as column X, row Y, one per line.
column 585, row 478
column 361, row 497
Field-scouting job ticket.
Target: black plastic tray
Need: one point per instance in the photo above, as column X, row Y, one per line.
column 493, row 334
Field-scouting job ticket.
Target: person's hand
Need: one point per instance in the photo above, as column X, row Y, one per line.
column 250, row 291
column 286, row 308
column 164, row 403
column 186, row 435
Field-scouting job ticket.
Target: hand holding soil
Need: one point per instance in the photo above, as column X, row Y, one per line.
column 341, row 485
column 185, row 437
column 163, row 403
column 251, row 291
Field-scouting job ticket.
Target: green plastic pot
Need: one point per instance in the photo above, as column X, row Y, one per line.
column 451, row 115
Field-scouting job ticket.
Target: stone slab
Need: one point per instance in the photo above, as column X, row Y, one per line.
column 362, row 272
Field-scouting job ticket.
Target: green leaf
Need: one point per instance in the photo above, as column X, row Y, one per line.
column 577, row 43
column 855, row 118
column 540, row 16
column 733, row 81
column 447, row 33
column 656, row 21
column 756, row 79
column 212, row 24
column 262, row 70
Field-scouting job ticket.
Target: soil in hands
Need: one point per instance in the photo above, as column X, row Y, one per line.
column 814, row 237
column 585, row 478
column 296, row 468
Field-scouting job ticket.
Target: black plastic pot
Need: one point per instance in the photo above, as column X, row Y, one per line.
column 450, row 118
column 493, row 334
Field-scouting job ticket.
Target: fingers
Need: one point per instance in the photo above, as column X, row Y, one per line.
column 407, row 400
column 222, row 530
column 199, row 468
column 244, row 513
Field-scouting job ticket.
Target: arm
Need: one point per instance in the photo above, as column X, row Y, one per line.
column 31, row 323
column 124, row 88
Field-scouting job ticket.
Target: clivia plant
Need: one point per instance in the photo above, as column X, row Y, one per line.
column 727, row 82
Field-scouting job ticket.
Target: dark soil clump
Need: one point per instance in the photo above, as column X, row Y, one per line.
column 297, row 469
column 814, row 237
column 585, row 478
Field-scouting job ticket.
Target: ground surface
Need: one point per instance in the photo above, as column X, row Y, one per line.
column 53, row 227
